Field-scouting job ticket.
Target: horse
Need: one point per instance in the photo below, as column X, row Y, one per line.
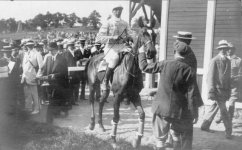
column 127, row 83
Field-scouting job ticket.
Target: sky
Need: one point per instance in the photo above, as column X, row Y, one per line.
column 23, row 10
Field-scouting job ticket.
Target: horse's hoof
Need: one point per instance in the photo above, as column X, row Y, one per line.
column 115, row 146
column 101, row 127
column 91, row 126
column 136, row 142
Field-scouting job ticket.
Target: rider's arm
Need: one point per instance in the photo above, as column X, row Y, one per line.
column 103, row 35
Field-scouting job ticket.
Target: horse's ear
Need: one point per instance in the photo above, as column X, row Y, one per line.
column 140, row 22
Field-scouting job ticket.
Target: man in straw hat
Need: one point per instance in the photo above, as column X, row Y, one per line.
column 175, row 106
column 219, row 85
column 109, row 34
column 54, row 71
column 32, row 63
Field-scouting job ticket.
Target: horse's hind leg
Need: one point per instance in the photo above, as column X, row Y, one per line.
column 137, row 103
column 91, row 100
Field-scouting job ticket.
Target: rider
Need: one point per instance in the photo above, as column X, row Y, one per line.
column 112, row 33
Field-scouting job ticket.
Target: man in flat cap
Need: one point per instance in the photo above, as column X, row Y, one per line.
column 236, row 78
column 174, row 108
column 32, row 63
column 109, row 34
column 219, row 86
column 54, row 71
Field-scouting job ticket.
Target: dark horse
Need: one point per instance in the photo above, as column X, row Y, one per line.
column 126, row 83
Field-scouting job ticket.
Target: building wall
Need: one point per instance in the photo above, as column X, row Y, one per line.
column 188, row 15
column 228, row 23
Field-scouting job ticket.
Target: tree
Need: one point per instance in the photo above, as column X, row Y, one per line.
column 94, row 19
column 72, row 19
column 39, row 20
column 3, row 26
column 57, row 17
column 11, row 24
column 84, row 21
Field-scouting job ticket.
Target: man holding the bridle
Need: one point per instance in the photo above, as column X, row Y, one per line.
column 112, row 33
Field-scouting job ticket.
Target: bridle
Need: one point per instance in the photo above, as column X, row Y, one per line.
column 134, row 54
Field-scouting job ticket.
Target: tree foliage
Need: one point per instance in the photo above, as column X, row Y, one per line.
column 49, row 20
column 94, row 19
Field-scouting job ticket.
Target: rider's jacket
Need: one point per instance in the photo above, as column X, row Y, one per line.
column 113, row 27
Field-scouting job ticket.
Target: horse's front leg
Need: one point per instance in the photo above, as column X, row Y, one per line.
column 114, row 122
column 91, row 100
column 137, row 103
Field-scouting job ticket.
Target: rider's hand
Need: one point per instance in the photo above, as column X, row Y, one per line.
column 52, row 76
column 127, row 49
column 141, row 49
column 115, row 37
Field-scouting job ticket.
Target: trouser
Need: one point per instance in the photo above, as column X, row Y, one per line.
column 181, row 131
column 234, row 96
column 212, row 111
column 57, row 102
column 31, row 97
column 76, row 87
column 83, row 85
column 112, row 59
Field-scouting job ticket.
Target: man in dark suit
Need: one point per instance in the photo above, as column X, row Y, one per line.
column 55, row 71
column 74, row 81
column 218, row 83
column 174, row 108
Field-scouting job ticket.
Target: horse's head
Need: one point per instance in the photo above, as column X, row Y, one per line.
column 146, row 39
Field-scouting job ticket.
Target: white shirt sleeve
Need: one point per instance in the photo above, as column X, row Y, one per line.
column 102, row 36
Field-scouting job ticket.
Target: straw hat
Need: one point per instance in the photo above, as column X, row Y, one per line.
column 184, row 35
column 222, row 44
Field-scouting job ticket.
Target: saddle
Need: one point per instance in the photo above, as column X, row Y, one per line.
column 103, row 64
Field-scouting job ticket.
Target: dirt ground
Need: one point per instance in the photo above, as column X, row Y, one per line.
column 79, row 118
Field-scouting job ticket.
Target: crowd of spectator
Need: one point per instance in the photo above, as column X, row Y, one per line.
column 35, row 72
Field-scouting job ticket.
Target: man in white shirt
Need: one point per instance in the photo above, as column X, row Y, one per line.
column 32, row 63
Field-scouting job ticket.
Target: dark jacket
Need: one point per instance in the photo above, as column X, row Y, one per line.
column 71, row 62
column 218, row 79
column 175, row 93
column 86, row 53
column 236, row 71
column 57, row 67
column 191, row 60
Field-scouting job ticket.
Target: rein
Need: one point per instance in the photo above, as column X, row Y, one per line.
column 135, row 54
